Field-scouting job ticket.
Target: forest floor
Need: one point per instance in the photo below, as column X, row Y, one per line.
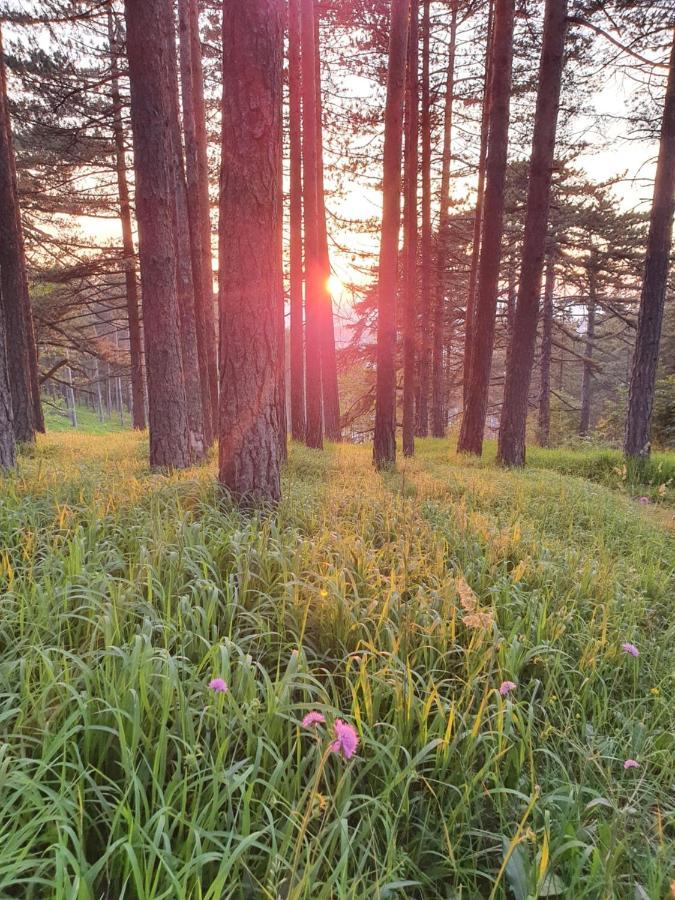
column 399, row 603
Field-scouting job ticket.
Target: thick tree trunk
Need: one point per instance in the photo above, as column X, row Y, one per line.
column 329, row 379
column 314, row 289
column 384, row 445
column 650, row 317
column 202, row 289
column 7, row 444
column 295, row 224
column 410, row 232
column 250, row 249
column 473, row 422
column 478, row 214
column 544, row 427
column 184, row 280
column 438, row 415
column 14, row 281
column 511, row 446
column 149, row 46
column 425, row 329
column 587, row 374
column 131, row 287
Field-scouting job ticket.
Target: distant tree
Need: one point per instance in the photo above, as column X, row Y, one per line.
column 297, row 327
column 196, row 174
column 650, row 319
column 443, row 243
column 410, row 233
column 20, row 346
column 424, row 337
column 483, row 329
column 511, row 445
column 250, row 249
column 149, row 48
column 131, row 286
column 7, row 442
column 384, row 446
column 314, row 289
column 329, row 377
column 544, row 426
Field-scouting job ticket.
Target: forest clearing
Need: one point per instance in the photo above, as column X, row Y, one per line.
column 337, row 449
column 126, row 593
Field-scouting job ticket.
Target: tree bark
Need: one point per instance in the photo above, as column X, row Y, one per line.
column 654, row 283
column 131, row 287
column 544, row 428
column 587, row 375
column 313, row 269
column 438, row 417
column 410, row 230
column 329, row 379
column 250, row 249
column 425, row 330
column 295, row 224
column 511, row 444
column 478, row 214
column 473, row 422
column 149, row 45
column 384, row 445
column 14, row 281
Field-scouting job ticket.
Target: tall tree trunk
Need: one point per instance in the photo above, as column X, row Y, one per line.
column 473, row 422
column 384, row 445
column 201, row 280
column 131, row 287
column 544, row 427
column 329, row 379
column 410, row 231
column 250, row 249
column 425, row 332
column 511, row 446
column 587, row 374
column 438, row 415
column 478, row 213
column 149, row 45
column 313, row 288
column 650, row 317
column 14, row 281
column 7, row 444
column 295, row 224
column 184, row 280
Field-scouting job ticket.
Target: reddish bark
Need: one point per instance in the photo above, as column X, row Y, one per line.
column 250, row 250
column 384, row 444
column 149, row 46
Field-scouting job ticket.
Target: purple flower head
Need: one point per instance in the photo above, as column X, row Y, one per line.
column 631, row 764
column 312, row 719
column 645, row 500
column 346, row 739
column 627, row 647
column 506, row 687
column 218, row 685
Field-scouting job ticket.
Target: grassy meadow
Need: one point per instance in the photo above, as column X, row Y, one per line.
column 399, row 603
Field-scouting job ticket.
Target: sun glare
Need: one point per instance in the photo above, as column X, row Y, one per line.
column 334, row 285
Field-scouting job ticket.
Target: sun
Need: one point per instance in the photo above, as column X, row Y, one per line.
column 334, row 285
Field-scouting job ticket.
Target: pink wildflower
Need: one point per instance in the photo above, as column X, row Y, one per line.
column 506, row 687
column 631, row 764
column 218, row 685
column 627, row 647
column 313, row 718
column 645, row 500
column 346, row 739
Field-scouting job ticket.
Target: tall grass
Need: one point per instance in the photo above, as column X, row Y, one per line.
column 124, row 593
